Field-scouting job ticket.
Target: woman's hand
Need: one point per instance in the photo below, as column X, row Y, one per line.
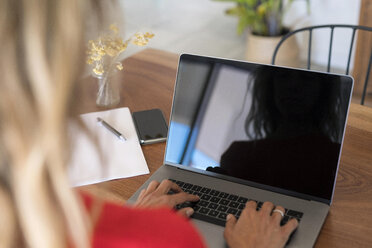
column 258, row 228
column 156, row 195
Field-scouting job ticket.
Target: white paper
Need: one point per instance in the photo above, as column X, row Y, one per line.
column 120, row 159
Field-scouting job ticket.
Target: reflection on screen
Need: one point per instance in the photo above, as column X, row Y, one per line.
column 273, row 126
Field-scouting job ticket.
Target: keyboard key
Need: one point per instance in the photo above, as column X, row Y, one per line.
column 189, row 191
column 295, row 214
column 223, row 195
column 222, row 208
column 179, row 183
column 242, row 200
column 207, row 218
column 205, row 190
column 213, row 205
column 187, row 186
column 284, row 220
column 238, row 214
column 241, row 206
column 233, row 197
column 198, row 194
column 214, row 192
column 203, row 203
column 196, row 188
column 205, row 197
column 215, row 199
column 187, row 204
column 204, row 211
column 213, row 213
column 224, row 202
column 222, row 216
column 234, row 204
column 196, row 208
column 232, row 211
column 259, row 205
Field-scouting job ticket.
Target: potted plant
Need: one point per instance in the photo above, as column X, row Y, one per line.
column 264, row 19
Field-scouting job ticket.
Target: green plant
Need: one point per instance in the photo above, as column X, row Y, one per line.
column 263, row 17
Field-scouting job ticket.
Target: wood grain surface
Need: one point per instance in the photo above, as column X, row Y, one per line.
column 147, row 82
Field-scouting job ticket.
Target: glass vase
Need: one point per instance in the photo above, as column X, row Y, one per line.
column 108, row 94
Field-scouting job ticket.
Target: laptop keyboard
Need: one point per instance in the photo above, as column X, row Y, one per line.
column 214, row 205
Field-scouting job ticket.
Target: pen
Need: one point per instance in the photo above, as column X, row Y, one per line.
column 111, row 129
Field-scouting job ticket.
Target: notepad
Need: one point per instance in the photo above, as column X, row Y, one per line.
column 120, row 159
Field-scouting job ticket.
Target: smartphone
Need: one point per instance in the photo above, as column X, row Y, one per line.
column 151, row 126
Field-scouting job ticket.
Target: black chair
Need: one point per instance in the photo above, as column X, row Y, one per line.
column 310, row 29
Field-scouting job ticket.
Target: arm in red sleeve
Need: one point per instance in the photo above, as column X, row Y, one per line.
column 120, row 226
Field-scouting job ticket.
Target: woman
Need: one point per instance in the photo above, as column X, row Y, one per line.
column 42, row 56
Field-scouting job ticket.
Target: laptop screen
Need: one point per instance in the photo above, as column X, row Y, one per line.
column 263, row 124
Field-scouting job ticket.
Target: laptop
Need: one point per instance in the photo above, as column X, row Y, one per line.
column 242, row 131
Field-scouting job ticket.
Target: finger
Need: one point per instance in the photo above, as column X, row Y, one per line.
column 166, row 185
column 277, row 216
column 267, row 208
column 251, row 205
column 141, row 194
column 229, row 227
column 153, row 185
column 182, row 197
column 290, row 227
column 186, row 212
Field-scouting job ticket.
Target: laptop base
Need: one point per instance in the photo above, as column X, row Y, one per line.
column 306, row 234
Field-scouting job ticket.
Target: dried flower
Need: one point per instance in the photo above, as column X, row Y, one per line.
column 119, row 66
column 103, row 52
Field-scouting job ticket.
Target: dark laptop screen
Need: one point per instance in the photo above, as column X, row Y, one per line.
column 267, row 125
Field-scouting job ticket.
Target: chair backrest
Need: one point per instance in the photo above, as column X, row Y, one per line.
column 332, row 27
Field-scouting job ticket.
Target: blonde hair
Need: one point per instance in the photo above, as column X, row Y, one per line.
column 42, row 55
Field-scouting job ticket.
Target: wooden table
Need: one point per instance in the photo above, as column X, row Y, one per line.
column 147, row 82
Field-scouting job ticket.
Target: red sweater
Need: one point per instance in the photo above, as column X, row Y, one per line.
column 121, row 226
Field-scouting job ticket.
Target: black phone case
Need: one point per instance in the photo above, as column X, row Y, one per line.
column 151, row 126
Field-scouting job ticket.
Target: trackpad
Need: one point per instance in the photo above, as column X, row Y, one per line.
column 212, row 234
